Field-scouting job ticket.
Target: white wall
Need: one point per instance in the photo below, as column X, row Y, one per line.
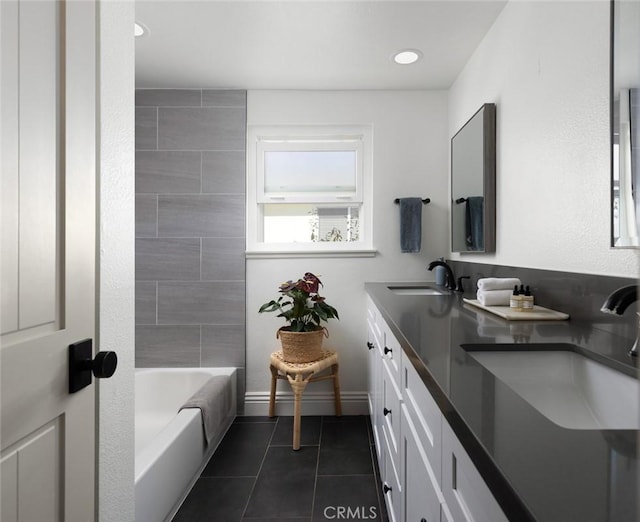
column 409, row 159
column 116, row 286
column 546, row 66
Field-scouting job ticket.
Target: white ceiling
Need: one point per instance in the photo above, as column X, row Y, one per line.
column 300, row 44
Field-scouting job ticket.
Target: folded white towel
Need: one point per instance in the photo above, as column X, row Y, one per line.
column 498, row 283
column 494, row 297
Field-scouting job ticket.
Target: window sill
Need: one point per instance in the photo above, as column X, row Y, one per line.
column 299, row 254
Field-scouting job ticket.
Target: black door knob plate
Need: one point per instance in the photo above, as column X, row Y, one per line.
column 82, row 366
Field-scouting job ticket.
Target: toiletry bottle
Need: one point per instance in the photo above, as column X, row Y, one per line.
column 515, row 302
column 441, row 274
column 527, row 300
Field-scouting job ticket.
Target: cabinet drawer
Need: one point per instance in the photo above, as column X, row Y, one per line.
column 391, row 351
column 425, row 415
column 385, row 340
column 467, row 496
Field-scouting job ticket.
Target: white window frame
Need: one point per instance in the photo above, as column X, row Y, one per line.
column 335, row 137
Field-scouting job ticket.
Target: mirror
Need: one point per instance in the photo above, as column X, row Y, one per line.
column 625, row 119
column 473, row 183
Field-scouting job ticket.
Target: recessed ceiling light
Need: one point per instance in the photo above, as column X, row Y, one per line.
column 407, row 56
column 140, row 30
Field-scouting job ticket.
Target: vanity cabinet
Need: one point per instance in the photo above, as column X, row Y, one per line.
column 385, row 399
column 426, row 474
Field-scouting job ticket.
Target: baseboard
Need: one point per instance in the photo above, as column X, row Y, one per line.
column 313, row 403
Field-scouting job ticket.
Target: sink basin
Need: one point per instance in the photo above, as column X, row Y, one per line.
column 568, row 388
column 415, row 290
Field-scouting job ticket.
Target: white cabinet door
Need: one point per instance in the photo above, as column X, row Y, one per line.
column 467, row 496
column 391, row 486
column 424, row 414
column 391, row 399
column 391, row 351
column 374, row 374
column 48, row 101
column 422, row 496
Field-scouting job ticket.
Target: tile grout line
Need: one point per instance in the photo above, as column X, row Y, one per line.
column 264, row 457
column 315, row 480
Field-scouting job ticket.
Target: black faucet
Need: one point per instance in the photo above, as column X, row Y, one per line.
column 459, row 286
column 450, row 281
column 618, row 302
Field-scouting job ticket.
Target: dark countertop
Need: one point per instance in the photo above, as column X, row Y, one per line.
column 536, row 469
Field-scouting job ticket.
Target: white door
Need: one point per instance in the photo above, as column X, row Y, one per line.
column 48, row 248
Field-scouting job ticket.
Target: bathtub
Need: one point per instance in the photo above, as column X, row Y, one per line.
column 171, row 450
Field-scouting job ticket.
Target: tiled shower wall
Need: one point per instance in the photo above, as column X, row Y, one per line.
column 190, row 232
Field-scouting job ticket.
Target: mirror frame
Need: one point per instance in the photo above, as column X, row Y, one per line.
column 617, row 213
column 488, row 114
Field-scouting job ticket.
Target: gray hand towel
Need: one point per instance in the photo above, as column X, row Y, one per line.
column 410, row 224
column 214, row 401
column 475, row 222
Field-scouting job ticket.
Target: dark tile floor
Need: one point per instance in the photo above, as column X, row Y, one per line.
column 255, row 476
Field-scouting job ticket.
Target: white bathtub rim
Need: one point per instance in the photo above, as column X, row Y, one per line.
column 146, row 457
column 223, row 370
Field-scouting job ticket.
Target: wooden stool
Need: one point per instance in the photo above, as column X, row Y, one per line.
column 299, row 375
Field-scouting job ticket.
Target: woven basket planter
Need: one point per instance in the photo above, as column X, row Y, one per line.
column 301, row 347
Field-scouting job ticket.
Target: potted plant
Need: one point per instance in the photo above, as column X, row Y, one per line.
column 303, row 309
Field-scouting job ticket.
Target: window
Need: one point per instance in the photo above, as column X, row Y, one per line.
column 309, row 190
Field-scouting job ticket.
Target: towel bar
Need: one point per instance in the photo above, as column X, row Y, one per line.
column 424, row 201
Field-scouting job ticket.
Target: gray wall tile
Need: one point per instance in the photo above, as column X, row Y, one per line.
column 160, row 259
column 190, row 215
column 201, row 303
column 223, row 172
column 201, row 216
column 201, row 129
column 167, row 346
column 146, row 302
column 167, row 172
column 223, row 345
column 146, row 128
column 222, row 98
column 168, row 97
column 223, row 259
column 146, row 215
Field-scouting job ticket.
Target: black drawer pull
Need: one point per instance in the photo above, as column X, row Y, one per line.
column 387, row 350
column 370, row 345
column 386, row 411
column 386, row 489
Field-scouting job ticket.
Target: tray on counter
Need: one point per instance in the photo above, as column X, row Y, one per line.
column 539, row 313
